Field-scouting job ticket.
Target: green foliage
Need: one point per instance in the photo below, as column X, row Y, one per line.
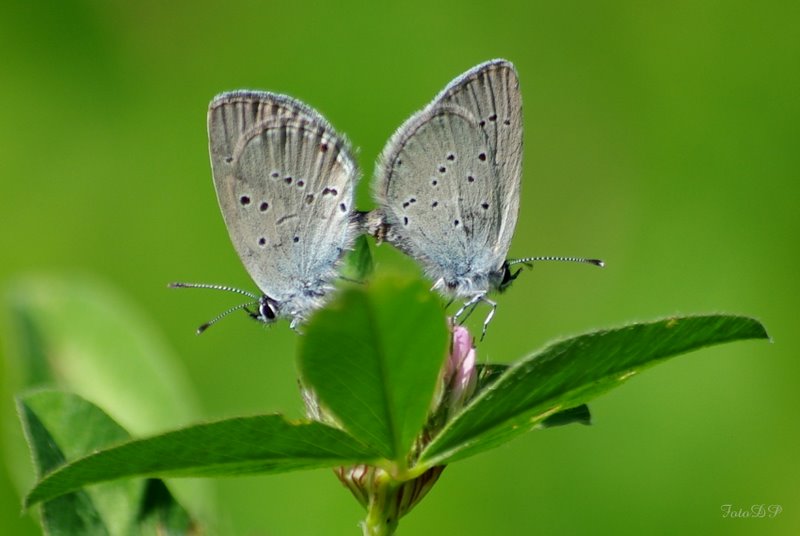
column 572, row 372
column 81, row 336
column 358, row 264
column 488, row 373
column 373, row 359
column 238, row 446
column 61, row 426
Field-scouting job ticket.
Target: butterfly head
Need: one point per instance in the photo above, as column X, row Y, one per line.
column 267, row 309
column 503, row 277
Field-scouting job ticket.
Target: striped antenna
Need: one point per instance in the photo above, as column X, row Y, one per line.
column 219, row 317
column 528, row 260
column 215, row 287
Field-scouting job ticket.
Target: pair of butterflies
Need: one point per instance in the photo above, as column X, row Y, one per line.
column 447, row 190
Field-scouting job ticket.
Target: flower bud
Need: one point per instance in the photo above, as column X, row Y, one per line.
column 459, row 375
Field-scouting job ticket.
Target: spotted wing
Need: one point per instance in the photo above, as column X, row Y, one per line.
column 448, row 180
column 490, row 91
column 437, row 194
column 285, row 184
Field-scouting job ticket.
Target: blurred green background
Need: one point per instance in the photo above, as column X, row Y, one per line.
column 661, row 138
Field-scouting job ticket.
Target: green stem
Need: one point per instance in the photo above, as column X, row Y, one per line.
column 382, row 515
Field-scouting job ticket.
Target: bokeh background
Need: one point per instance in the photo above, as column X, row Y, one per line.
column 661, row 138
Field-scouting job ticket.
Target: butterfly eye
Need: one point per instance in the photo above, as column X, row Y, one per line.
column 265, row 310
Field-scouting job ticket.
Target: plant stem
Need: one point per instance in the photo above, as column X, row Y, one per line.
column 382, row 516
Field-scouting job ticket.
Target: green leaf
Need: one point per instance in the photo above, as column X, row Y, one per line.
column 159, row 514
column 489, row 372
column 373, row 358
column 577, row 415
column 572, row 372
column 357, row 263
column 85, row 337
column 244, row 445
column 60, row 426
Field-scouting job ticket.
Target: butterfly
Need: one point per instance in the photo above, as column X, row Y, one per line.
column 285, row 182
column 448, row 183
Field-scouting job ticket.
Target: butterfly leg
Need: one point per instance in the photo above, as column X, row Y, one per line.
column 295, row 324
column 471, row 305
column 489, row 317
column 471, row 310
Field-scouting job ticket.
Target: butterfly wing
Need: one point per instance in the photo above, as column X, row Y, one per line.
column 490, row 91
column 285, row 183
column 448, row 180
column 436, row 179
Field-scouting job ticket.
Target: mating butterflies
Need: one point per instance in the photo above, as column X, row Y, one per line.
column 447, row 188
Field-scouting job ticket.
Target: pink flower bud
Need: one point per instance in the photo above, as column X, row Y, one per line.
column 459, row 375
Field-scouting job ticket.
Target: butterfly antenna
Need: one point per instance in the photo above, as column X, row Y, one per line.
column 222, row 315
column 528, row 260
column 214, row 287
